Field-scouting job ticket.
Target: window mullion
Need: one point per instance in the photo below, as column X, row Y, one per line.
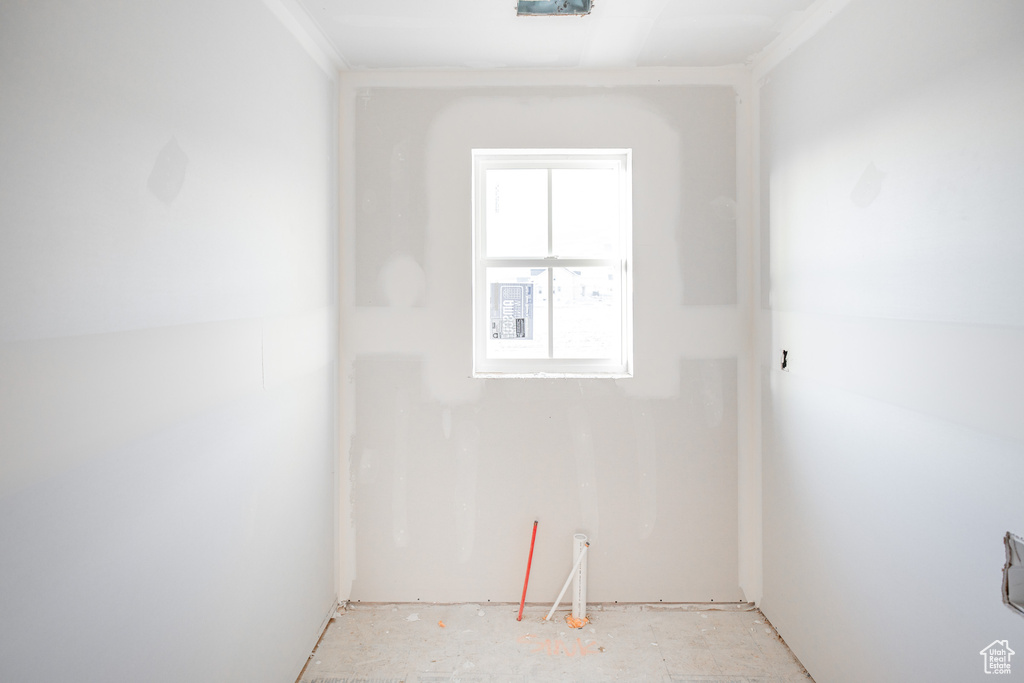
column 550, row 226
column 551, row 313
column 551, row 277
column 550, row 262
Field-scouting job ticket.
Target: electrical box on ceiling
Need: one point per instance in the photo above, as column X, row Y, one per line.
column 540, row 8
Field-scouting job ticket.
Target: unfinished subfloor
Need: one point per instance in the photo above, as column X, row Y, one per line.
column 417, row 643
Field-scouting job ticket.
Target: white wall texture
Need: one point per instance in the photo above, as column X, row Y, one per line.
column 449, row 472
column 167, row 343
column 890, row 214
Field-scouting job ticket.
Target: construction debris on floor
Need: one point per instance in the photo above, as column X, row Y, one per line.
column 420, row 643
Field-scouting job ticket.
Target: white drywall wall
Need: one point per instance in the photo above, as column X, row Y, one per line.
column 890, row 174
column 167, row 343
column 449, row 472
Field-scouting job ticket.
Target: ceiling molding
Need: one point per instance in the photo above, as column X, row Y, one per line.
column 815, row 18
column 735, row 76
column 618, row 34
column 307, row 32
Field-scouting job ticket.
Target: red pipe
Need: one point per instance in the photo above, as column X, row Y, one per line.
column 528, row 563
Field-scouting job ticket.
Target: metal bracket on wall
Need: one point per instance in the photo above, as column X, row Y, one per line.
column 1013, row 573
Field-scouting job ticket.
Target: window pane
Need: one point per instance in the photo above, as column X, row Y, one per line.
column 517, row 313
column 517, row 212
column 585, row 212
column 587, row 320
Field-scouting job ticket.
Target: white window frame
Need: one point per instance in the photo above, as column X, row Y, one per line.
column 550, row 159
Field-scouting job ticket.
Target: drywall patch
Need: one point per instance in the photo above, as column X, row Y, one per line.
column 764, row 210
column 391, row 126
column 586, row 469
column 402, row 281
column 446, row 422
column 868, row 187
column 694, row 129
column 710, row 387
column 400, row 472
column 724, row 209
column 711, row 392
column 467, row 442
column 577, row 454
column 704, row 120
column 646, row 453
column 366, row 466
column 168, row 174
column 551, row 449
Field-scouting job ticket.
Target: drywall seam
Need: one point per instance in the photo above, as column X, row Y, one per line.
column 148, row 378
column 604, row 45
column 816, row 17
column 341, row 492
column 464, row 497
column 758, row 335
column 296, row 344
column 304, row 28
column 914, row 365
column 748, row 445
column 331, row 613
column 152, row 377
column 661, row 76
column 646, row 457
column 585, row 461
column 346, row 415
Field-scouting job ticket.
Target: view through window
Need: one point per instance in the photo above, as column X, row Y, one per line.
column 552, row 246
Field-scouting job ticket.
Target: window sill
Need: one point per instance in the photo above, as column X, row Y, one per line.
column 551, row 375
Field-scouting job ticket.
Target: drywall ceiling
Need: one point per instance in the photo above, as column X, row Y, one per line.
column 487, row 34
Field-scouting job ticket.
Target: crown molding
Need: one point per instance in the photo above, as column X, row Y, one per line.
column 307, row 32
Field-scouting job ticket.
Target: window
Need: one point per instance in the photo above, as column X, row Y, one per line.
column 552, row 241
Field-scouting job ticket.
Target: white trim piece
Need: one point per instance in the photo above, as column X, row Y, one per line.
column 307, row 32
column 815, row 18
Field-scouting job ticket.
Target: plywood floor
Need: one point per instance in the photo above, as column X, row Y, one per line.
column 416, row 643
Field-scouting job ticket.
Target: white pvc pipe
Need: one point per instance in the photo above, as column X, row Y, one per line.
column 568, row 580
column 579, row 579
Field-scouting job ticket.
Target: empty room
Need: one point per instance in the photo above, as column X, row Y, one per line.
column 508, row 341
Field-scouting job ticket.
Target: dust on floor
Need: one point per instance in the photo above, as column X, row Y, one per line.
column 469, row 643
